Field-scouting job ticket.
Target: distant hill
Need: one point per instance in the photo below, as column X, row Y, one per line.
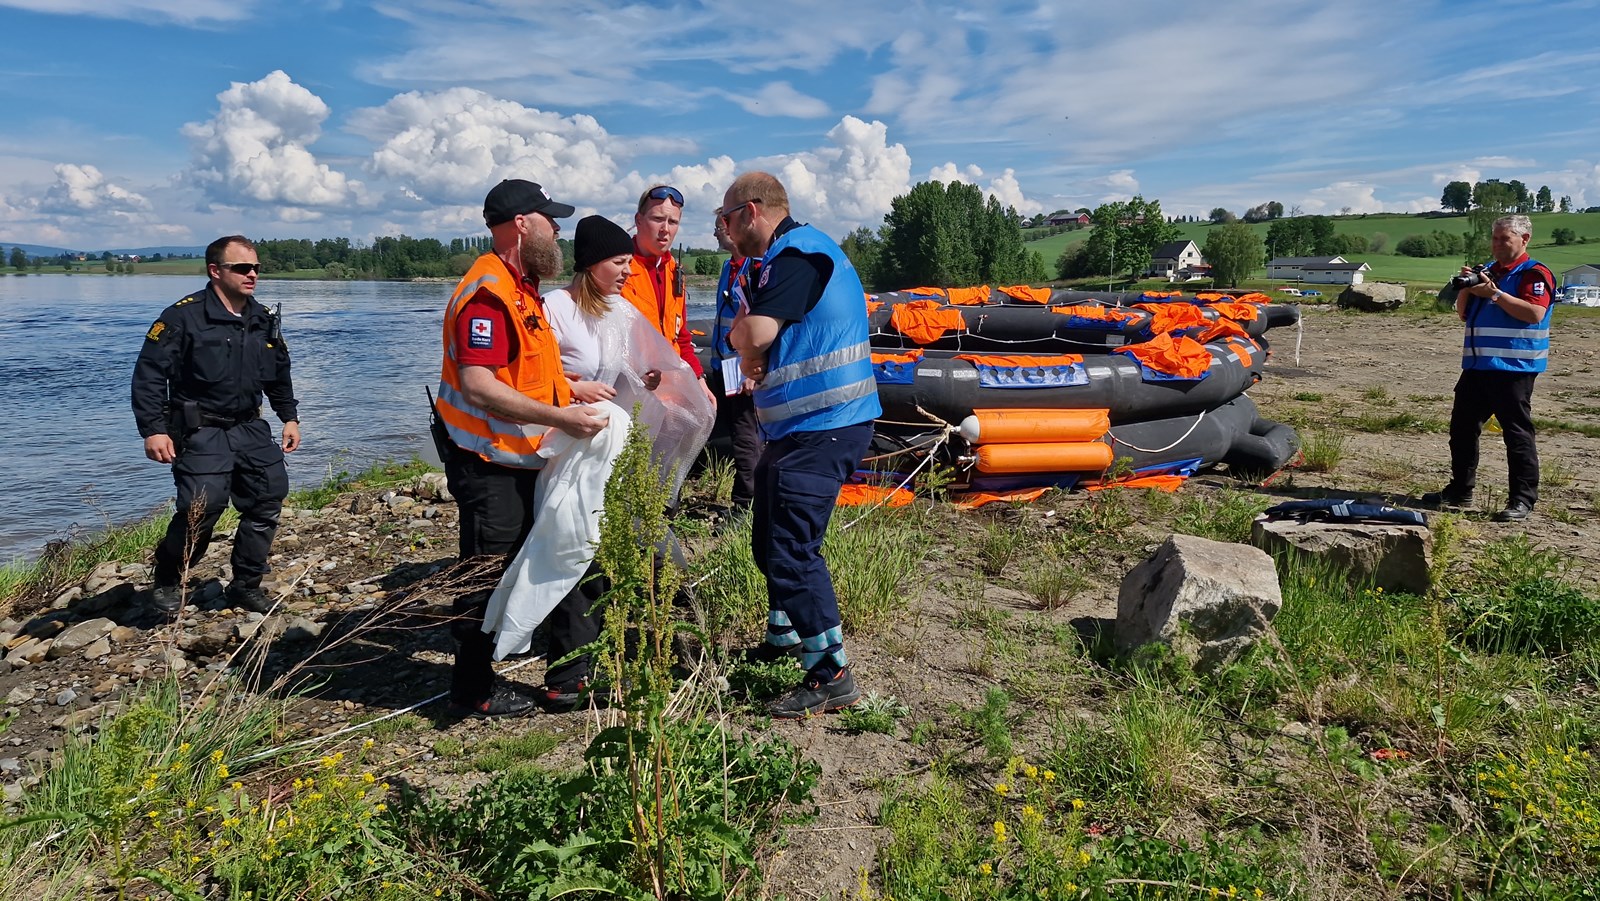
column 40, row 250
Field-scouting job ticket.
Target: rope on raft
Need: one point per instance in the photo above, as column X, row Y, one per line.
column 1157, row 450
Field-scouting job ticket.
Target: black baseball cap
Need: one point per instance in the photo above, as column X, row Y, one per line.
column 516, row 197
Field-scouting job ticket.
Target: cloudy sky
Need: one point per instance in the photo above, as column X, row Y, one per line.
column 147, row 122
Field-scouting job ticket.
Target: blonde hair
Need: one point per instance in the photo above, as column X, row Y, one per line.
column 762, row 187
column 588, row 296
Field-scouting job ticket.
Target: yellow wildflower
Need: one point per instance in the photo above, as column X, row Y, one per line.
column 1001, row 789
column 222, row 772
column 1049, row 775
column 999, row 831
column 216, row 756
column 1077, row 803
column 985, row 868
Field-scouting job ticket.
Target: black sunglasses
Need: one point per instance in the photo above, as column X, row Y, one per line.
column 725, row 216
column 665, row 192
column 240, row 268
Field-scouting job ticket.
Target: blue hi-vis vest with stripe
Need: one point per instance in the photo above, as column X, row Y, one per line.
column 730, row 297
column 819, row 370
column 1496, row 340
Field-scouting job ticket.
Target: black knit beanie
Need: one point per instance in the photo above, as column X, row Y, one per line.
column 596, row 239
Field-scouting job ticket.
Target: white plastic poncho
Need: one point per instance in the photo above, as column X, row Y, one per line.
column 571, row 491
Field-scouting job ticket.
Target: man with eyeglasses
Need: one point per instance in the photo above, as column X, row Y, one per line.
column 804, row 342
column 197, row 389
column 501, row 373
column 655, row 283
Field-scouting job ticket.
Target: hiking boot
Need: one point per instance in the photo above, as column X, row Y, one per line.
column 253, row 599
column 1448, row 497
column 167, row 600
column 503, row 700
column 1516, row 511
column 564, row 698
column 815, row 696
column 766, row 652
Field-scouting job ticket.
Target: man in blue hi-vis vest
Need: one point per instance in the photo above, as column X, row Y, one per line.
column 804, row 342
column 1506, row 346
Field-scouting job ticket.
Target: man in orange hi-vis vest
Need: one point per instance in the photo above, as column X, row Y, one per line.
column 501, row 371
column 655, row 283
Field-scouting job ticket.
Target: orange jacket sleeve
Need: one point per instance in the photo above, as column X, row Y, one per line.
column 687, row 352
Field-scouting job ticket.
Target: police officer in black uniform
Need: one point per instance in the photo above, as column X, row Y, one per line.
column 197, row 398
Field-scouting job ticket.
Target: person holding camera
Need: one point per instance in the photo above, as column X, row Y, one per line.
column 1506, row 307
column 197, row 390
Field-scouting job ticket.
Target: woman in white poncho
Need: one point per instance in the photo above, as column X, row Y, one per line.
column 614, row 359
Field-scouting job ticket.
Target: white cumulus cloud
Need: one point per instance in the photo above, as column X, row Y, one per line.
column 452, row 145
column 1003, row 187
column 254, row 151
column 83, row 189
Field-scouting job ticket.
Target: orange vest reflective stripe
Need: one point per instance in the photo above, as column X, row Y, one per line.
column 535, row 369
column 667, row 314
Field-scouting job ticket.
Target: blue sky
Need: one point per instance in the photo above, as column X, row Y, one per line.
column 149, row 122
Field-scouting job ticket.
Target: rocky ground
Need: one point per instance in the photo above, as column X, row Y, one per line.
column 358, row 626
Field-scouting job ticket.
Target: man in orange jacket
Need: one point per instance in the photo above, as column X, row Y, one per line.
column 655, row 283
column 501, row 371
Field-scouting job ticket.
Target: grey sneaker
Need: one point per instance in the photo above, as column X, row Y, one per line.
column 816, row 696
column 253, row 599
column 167, row 600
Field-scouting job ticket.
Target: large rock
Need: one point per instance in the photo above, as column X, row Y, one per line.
column 1373, row 297
column 1206, row 599
column 1393, row 556
column 80, row 636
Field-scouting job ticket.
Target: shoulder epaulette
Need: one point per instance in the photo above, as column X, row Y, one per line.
column 189, row 299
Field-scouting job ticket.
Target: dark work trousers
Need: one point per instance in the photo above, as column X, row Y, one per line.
column 737, row 414
column 797, row 483
column 496, row 507
column 241, row 463
column 1508, row 397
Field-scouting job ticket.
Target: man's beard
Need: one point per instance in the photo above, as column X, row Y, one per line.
column 542, row 258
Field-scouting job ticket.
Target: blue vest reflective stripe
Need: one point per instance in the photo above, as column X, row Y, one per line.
column 1496, row 340
column 819, row 370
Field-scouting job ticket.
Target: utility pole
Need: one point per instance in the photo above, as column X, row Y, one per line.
column 1112, row 274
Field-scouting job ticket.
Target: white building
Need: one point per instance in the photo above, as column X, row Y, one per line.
column 1174, row 259
column 1587, row 274
column 1334, row 270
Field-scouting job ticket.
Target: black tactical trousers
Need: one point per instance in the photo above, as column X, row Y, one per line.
column 241, row 463
column 1508, row 397
column 496, row 506
column 737, row 414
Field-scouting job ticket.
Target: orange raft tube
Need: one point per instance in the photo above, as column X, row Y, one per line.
column 1034, row 426
column 1078, row 456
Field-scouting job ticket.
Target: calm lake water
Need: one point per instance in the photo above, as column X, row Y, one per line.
column 363, row 353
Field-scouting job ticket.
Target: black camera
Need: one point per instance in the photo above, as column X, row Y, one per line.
column 1447, row 294
column 1475, row 277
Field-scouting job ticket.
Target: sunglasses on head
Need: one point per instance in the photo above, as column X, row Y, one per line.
column 240, row 268
column 665, row 192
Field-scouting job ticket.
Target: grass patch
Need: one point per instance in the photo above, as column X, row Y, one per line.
column 1381, row 423
column 1562, row 425
column 383, row 474
column 1322, row 450
column 512, row 753
column 1226, row 519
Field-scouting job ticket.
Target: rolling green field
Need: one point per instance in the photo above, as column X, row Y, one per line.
column 1393, row 267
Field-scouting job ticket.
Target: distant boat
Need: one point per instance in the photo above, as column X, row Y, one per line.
column 1582, row 295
